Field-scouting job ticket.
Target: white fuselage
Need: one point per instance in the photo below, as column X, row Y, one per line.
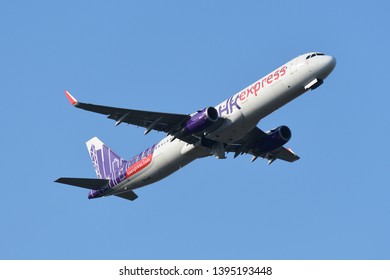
column 242, row 113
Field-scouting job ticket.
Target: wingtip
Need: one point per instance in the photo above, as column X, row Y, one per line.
column 71, row 99
column 291, row 151
column 295, row 155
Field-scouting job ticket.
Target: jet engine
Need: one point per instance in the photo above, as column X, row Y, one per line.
column 274, row 139
column 201, row 120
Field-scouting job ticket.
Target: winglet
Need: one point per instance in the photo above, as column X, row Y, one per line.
column 71, row 99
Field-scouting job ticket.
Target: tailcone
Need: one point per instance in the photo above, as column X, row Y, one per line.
column 93, row 194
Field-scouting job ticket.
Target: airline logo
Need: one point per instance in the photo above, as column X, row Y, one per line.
column 253, row 89
column 107, row 164
column 229, row 105
column 139, row 165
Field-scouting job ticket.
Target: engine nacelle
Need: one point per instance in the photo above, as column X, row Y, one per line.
column 274, row 139
column 202, row 120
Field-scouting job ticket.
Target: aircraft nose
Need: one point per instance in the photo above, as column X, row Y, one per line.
column 331, row 63
column 328, row 63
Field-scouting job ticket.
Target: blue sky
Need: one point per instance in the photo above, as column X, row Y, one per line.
column 180, row 56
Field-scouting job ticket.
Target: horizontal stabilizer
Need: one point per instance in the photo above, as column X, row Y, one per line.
column 92, row 184
column 130, row 195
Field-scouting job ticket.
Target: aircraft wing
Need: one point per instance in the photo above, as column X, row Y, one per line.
column 248, row 145
column 166, row 122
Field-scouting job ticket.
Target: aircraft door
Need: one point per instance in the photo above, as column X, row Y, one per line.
column 293, row 66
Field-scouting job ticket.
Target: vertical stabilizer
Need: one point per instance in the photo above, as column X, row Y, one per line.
column 104, row 160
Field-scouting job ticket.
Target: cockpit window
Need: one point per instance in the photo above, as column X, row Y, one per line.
column 313, row 55
column 310, row 56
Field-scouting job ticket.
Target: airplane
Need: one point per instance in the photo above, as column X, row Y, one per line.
column 229, row 127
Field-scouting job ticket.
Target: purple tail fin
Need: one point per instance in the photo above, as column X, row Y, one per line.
column 104, row 160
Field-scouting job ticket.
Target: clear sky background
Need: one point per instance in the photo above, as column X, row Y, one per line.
column 181, row 56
